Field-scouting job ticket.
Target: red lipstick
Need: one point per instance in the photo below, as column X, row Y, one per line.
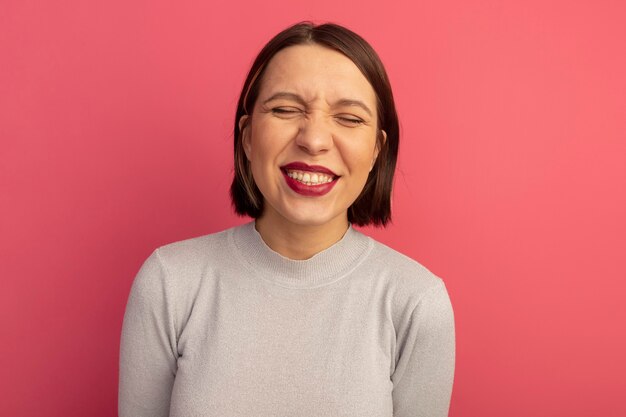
column 301, row 166
column 301, row 188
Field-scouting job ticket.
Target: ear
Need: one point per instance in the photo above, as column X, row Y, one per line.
column 379, row 144
column 244, row 131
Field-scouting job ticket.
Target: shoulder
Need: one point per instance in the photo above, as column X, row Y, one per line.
column 183, row 263
column 403, row 271
column 194, row 251
column 408, row 282
column 174, row 274
column 415, row 295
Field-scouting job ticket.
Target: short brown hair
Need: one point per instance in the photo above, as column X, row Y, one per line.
column 373, row 205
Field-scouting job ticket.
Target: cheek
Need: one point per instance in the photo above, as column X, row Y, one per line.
column 267, row 139
column 359, row 157
column 265, row 153
column 258, row 145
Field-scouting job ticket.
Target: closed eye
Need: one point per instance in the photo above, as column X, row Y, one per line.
column 350, row 120
column 286, row 112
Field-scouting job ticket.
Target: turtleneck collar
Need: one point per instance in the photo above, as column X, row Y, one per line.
column 323, row 268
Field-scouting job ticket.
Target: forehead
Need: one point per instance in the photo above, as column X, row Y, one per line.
column 316, row 72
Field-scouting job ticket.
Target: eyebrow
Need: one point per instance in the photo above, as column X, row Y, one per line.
column 285, row 95
column 298, row 99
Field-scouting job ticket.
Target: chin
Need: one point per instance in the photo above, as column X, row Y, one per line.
column 312, row 217
column 313, row 221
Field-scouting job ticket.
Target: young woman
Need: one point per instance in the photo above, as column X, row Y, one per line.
column 295, row 313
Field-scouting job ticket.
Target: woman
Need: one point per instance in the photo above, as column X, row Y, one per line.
column 295, row 313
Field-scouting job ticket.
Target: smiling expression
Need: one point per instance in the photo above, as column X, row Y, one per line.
column 311, row 139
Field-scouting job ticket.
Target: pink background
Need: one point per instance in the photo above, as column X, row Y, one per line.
column 115, row 129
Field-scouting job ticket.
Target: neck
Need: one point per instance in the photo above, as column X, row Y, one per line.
column 297, row 241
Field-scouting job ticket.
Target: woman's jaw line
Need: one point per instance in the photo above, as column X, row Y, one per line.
column 297, row 240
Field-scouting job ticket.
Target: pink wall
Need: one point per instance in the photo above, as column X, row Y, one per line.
column 115, row 129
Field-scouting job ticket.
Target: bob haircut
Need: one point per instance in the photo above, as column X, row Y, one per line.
column 373, row 205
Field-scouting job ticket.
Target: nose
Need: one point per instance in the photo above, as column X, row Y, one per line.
column 315, row 135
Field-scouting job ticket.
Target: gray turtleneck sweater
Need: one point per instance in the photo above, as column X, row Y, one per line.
column 222, row 326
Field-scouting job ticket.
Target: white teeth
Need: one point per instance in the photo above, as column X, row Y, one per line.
column 310, row 178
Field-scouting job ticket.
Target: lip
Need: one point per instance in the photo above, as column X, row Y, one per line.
column 301, row 166
column 308, row 190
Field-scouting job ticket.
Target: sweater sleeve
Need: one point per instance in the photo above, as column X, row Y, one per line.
column 148, row 353
column 424, row 372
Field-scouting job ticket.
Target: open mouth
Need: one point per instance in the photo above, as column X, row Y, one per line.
column 309, row 178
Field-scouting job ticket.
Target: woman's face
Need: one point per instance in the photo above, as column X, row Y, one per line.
column 311, row 140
